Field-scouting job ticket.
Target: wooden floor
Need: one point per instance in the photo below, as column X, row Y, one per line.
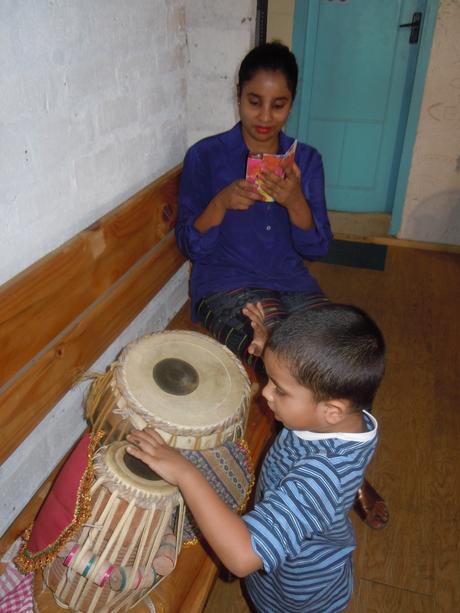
column 413, row 566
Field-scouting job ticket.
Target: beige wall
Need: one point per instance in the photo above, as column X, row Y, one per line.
column 279, row 20
column 432, row 205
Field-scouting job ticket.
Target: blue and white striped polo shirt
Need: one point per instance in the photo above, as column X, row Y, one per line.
column 300, row 526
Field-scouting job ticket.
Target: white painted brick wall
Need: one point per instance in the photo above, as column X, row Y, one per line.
column 219, row 35
column 89, row 113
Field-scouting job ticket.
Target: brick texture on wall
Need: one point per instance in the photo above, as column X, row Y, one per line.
column 92, row 109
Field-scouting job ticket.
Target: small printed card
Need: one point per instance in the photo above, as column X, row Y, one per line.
column 269, row 161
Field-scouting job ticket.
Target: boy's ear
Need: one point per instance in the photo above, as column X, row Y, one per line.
column 336, row 410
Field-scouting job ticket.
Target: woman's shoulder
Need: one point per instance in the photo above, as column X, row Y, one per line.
column 309, row 160
column 308, row 149
column 308, row 152
column 304, row 152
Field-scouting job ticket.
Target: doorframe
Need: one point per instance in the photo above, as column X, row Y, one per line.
column 306, row 14
column 261, row 21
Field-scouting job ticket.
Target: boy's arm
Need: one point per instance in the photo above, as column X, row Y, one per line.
column 223, row 529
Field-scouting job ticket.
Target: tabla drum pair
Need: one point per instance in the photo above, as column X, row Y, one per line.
column 129, row 543
column 185, row 385
column 196, row 394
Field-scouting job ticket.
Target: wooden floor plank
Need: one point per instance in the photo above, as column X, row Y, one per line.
column 445, row 453
column 376, row 597
column 227, row 598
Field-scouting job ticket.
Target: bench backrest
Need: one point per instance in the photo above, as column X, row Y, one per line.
column 60, row 314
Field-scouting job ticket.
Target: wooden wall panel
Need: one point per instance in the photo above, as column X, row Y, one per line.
column 39, row 303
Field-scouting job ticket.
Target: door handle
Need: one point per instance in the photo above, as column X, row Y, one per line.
column 414, row 26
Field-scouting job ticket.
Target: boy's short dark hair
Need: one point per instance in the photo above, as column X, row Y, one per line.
column 274, row 57
column 335, row 350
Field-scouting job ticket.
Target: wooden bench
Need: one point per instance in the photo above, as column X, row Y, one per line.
column 58, row 317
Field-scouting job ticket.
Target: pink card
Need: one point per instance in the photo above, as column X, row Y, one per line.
column 269, row 161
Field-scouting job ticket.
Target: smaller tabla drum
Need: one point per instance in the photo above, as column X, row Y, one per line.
column 185, row 385
column 128, row 545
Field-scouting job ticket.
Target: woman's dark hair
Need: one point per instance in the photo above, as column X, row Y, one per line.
column 335, row 350
column 274, row 57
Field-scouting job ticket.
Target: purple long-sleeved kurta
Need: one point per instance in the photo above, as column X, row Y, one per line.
column 258, row 247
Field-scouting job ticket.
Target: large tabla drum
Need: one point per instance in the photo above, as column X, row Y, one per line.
column 186, row 385
column 130, row 542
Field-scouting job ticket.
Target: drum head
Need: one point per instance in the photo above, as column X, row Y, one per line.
column 126, row 473
column 183, row 378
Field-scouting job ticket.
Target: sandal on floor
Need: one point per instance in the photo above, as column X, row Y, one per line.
column 371, row 507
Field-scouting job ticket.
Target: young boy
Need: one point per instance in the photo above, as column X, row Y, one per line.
column 324, row 366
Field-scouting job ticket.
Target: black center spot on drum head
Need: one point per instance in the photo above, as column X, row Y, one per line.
column 139, row 468
column 175, row 376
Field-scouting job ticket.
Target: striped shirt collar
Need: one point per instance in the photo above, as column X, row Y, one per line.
column 360, row 437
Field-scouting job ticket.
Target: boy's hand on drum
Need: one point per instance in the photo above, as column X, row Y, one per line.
column 256, row 314
column 239, row 195
column 151, row 449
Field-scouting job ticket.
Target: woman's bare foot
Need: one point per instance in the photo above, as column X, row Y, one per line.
column 255, row 312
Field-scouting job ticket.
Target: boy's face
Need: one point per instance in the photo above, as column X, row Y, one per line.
column 292, row 404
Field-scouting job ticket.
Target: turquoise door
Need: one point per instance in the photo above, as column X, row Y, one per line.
column 357, row 68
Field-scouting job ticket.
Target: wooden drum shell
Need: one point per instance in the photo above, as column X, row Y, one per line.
column 126, row 529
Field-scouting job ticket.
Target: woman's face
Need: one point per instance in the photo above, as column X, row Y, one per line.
column 264, row 103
